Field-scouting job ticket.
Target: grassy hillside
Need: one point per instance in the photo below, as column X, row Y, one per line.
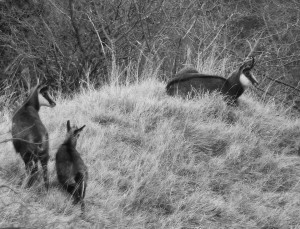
column 161, row 162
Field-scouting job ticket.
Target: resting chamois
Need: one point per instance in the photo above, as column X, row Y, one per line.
column 30, row 136
column 71, row 171
column 190, row 82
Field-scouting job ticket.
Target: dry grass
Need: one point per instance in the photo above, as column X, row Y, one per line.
column 161, row 162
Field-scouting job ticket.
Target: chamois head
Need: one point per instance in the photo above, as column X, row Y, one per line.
column 45, row 98
column 39, row 96
column 245, row 76
column 30, row 136
column 73, row 133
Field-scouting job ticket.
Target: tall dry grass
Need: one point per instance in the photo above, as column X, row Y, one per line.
column 161, row 162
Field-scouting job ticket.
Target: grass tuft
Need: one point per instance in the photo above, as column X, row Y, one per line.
column 161, row 162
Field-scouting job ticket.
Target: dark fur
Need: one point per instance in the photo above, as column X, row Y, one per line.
column 30, row 136
column 71, row 171
column 191, row 82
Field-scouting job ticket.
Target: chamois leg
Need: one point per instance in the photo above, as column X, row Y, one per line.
column 82, row 206
column 31, row 168
column 84, row 189
column 44, row 162
column 235, row 103
column 80, row 184
column 73, row 190
column 78, row 196
column 79, row 179
column 33, row 172
column 232, row 102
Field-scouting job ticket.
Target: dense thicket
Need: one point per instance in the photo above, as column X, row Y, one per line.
column 74, row 42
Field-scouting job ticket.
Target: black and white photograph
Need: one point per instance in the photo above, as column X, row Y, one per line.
column 155, row 114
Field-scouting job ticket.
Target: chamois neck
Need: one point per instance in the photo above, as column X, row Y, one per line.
column 33, row 100
column 70, row 142
column 234, row 85
column 234, row 77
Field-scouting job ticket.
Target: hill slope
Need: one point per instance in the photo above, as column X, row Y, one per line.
column 161, row 162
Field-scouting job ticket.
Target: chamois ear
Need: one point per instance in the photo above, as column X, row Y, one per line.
column 79, row 129
column 249, row 67
column 68, row 126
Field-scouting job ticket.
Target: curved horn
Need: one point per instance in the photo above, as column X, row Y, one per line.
column 68, row 126
column 246, row 65
column 252, row 63
column 243, row 67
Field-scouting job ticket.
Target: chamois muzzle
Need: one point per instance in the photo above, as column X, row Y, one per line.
column 48, row 98
column 51, row 102
column 253, row 80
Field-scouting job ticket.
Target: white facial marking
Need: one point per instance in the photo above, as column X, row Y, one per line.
column 254, row 78
column 245, row 81
column 43, row 101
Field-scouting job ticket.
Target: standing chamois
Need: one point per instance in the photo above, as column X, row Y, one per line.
column 71, row 171
column 190, row 82
column 30, row 136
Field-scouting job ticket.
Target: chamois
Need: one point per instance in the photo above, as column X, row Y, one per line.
column 30, row 136
column 190, row 82
column 71, row 171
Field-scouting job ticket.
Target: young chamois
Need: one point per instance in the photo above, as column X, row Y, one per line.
column 190, row 82
column 30, row 136
column 71, row 171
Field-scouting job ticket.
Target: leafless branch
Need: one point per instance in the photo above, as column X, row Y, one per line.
column 281, row 82
column 10, row 188
column 99, row 38
column 252, row 49
column 75, row 27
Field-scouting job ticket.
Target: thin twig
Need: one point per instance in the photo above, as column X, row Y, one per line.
column 20, row 139
column 188, row 31
column 5, row 133
column 217, row 34
column 97, row 33
column 269, row 94
column 252, row 49
column 76, row 30
column 8, row 187
column 281, row 82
